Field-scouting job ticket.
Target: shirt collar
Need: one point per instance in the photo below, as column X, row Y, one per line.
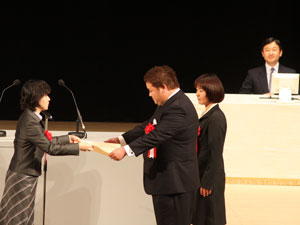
column 174, row 93
column 206, row 111
column 268, row 67
column 38, row 115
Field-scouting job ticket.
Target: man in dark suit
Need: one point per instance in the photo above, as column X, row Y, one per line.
column 258, row 80
column 167, row 141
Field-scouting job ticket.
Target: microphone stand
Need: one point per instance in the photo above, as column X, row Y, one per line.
column 45, row 173
column 2, row 132
column 79, row 117
column 16, row 82
column 77, row 132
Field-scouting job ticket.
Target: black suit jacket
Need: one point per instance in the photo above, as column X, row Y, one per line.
column 175, row 136
column 256, row 81
column 211, row 168
column 211, row 140
column 31, row 142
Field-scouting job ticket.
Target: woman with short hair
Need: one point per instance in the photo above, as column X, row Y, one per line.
column 210, row 201
column 30, row 143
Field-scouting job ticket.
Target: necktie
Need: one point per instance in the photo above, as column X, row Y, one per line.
column 270, row 80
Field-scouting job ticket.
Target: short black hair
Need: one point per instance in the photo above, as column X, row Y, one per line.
column 212, row 85
column 270, row 40
column 31, row 93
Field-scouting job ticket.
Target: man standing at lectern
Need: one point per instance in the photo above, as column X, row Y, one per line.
column 167, row 141
column 259, row 79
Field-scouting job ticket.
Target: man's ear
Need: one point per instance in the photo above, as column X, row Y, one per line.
column 164, row 88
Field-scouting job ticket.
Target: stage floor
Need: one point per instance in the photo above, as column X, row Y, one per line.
column 262, row 204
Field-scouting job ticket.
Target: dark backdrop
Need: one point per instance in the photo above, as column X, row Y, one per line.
column 103, row 50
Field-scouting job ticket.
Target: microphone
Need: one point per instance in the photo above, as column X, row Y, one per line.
column 15, row 83
column 79, row 118
column 47, row 115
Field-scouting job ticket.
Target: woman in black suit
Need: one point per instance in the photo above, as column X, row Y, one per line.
column 210, row 200
column 30, row 144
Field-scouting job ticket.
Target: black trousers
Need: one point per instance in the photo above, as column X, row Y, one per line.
column 175, row 209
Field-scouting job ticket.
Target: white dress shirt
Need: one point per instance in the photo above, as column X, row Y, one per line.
column 38, row 115
column 268, row 70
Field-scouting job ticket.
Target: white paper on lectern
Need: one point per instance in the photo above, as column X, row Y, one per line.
column 102, row 147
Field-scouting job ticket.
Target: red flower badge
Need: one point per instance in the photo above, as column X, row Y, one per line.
column 152, row 152
column 199, row 131
column 48, row 135
column 149, row 128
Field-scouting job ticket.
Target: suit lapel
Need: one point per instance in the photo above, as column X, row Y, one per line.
column 160, row 109
column 42, row 124
column 203, row 121
column 34, row 116
column 263, row 79
column 156, row 116
column 173, row 98
column 216, row 107
column 281, row 69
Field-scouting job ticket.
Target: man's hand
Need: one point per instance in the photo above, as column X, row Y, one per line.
column 113, row 140
column 117, row 154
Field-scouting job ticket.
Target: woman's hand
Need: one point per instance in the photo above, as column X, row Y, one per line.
column 86, row 146
column 74, row 139
column 205, row 192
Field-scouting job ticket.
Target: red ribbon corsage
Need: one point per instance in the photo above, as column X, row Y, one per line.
column 149, row 128
column 199, row 131
column 48, row 135
column 152, row 152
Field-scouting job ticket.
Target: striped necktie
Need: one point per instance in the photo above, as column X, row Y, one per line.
column 270, row 80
